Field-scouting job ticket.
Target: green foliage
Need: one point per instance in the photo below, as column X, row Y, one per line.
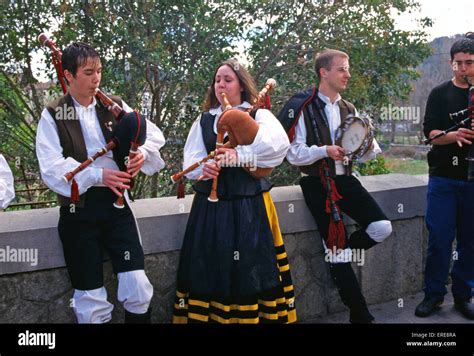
column 373, row 167
column 382, row 59
column 168, row 50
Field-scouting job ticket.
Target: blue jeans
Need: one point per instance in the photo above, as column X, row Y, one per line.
column 450, row 214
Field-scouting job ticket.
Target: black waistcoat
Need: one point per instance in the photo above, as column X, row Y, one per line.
column 70, row 132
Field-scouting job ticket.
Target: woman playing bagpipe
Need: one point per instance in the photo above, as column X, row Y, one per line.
column 76, row 126
column 233, row 265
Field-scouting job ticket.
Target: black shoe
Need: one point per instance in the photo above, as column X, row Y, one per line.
column 132, row 318
column 348, row 287
column 465, row 307
column 428, row 306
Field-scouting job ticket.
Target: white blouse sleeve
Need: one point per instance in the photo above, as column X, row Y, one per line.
column 300, row 154
column 7, row 190
column 53, row 165
column 269, row 147
column 151, row 148
column 194, row 149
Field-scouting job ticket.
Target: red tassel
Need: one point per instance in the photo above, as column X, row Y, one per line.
column 74, row 192
column 336, row 231
column 334, row 193
column 328, row 206
column 336, row 235
column 180, row 190
column 268, row 103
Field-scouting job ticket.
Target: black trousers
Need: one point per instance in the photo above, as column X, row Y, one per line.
column 360, row 206
column 87, row 231
column 356, row 202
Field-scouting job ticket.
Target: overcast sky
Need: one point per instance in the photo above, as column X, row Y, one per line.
column 449, row 17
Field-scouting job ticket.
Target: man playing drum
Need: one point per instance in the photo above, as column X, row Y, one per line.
column 312, row 119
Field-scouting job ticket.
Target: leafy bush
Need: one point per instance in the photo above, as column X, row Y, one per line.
column 373, row 167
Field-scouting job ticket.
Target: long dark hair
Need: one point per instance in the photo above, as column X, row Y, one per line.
column 246, row 81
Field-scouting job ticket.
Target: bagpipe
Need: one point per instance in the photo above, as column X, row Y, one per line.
column 463, row 118
column 241, row 129
column 128, row 134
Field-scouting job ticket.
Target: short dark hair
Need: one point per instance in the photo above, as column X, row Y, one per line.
column 75, row 55
column 324, row 58
column 464, row 45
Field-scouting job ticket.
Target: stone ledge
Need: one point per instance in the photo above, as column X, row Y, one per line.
column 162, row 221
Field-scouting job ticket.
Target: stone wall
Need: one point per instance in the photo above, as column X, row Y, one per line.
column 41, row 293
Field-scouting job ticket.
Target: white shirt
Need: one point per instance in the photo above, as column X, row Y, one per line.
column 300, row 154
column 269, row 147
column 7, row 190
column 53, row 164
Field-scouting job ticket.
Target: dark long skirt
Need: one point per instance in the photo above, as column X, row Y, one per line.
column 233, row 266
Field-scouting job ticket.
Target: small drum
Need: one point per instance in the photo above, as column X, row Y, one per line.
column 357, row 135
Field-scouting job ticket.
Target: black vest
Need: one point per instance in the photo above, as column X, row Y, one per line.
column 345, row 108
column 233, row 182
column 70, row 133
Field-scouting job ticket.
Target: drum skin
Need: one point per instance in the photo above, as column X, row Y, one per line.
column 357, row 136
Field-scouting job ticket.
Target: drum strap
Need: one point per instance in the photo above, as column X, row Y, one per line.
column 321, row 112
column 314, row 126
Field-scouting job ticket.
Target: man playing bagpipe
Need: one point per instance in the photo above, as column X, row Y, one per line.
column 71, row 129
column 450, row 205
column 312, row 119
column 7, row 190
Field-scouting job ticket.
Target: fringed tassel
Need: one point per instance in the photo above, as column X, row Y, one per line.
column 268, row 103
column 335, row 196
column 181, row 189
column 336, row 235
column 336, row 231
column 74, row 192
